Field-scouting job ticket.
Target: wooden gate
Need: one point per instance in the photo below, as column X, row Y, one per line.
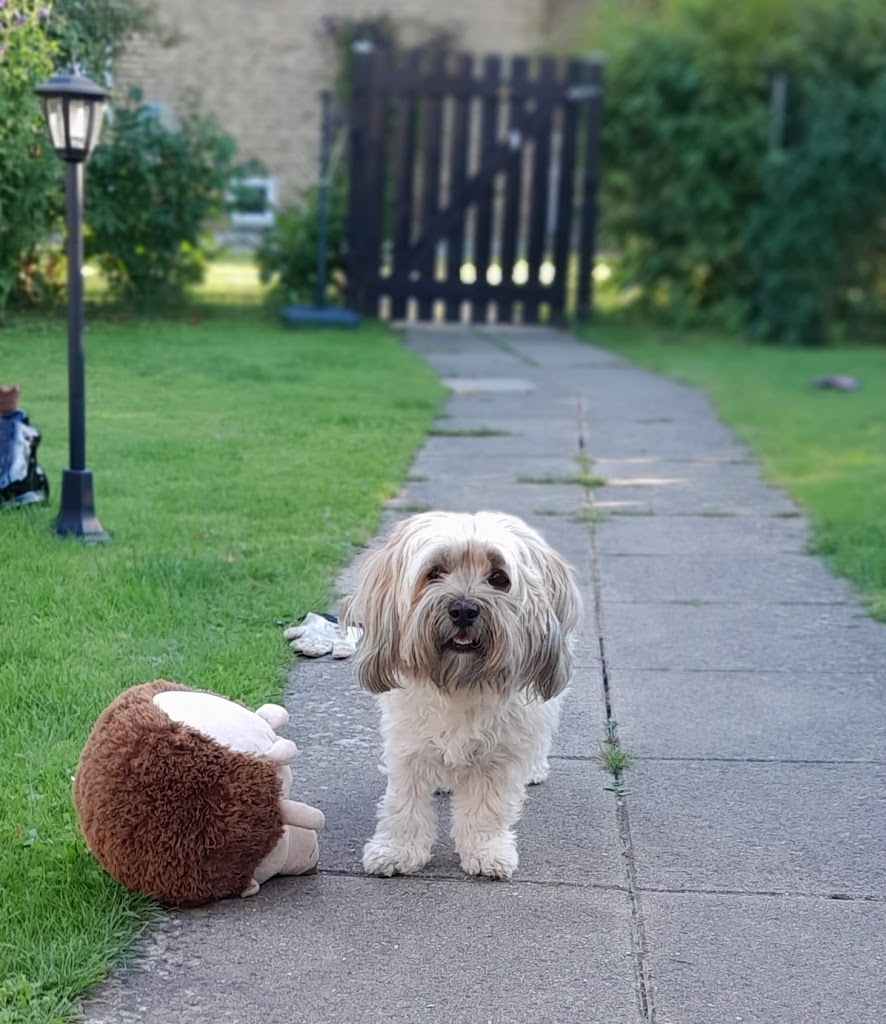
column 473, row 187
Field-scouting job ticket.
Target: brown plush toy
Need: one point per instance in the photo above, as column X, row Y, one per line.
column 181, row 794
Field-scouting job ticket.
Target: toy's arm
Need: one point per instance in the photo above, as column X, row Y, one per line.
column 302, row 815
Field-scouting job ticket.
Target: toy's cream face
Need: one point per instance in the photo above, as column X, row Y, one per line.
column 224, row 721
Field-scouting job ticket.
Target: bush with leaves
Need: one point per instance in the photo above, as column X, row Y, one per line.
column 29, row 170
column 717, row 219
column 94, row 32
column 152, row 189
column 287, row 255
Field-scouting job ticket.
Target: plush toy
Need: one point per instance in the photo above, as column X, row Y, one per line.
column 182, row 794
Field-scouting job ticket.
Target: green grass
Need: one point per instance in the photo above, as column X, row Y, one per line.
column 236, row 466
column 826, row 448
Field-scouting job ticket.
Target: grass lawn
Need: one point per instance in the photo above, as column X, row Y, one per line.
column 826, row 448
column 236, row 466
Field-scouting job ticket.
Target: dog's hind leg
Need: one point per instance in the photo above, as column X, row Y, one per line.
column 542, row 739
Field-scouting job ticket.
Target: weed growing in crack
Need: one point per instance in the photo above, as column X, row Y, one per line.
column 410, row 508
column 468, row 432
column 614, row 759
column 588, row 515
column 631, row 512
column 582, row 479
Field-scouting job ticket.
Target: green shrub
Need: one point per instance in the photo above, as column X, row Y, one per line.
column 287, row 255
column 29, row 170
column 94, row 32
column 817, row 236
column 718, row 214
column 151, row 191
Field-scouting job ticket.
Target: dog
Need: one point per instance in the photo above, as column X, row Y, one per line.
column 467, row 622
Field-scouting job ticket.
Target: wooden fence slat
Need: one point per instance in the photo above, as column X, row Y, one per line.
column 432, row 121
column 404, row 186
column 541, row 167
column 376, row 173
column 486, row 198
column 590, row 179
column 565, row 195
column 513, row 187
column 458, row 172
column 359, row 266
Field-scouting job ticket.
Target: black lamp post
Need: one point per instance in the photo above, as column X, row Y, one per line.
column 73, row 107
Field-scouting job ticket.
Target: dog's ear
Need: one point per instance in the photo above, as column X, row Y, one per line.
column 551, row 658
column 549, row 666
column 373, row 606
column 562, row 591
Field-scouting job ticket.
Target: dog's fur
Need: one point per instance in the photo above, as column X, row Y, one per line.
column 467, row 622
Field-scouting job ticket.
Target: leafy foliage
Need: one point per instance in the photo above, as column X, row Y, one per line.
column 817, row 237
column 94, row 32
column 152, row 189
column 29, row 170
column 287, row 255
column 719, row 215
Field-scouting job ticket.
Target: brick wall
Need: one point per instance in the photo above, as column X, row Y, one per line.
column 260, row 65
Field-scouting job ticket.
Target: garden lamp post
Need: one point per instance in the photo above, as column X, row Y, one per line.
column 73, row 107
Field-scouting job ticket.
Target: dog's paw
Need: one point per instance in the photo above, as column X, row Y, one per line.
column 538, row 773
column 495, row 858
column 386, row 857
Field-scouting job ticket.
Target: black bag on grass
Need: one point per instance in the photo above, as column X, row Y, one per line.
column 22, row 481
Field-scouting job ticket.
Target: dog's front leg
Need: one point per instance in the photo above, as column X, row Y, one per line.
column 407, row 822
column 486, row 804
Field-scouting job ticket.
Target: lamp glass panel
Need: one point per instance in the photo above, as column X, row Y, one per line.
column 54, row 107
column 95, row 127
column 78, row 122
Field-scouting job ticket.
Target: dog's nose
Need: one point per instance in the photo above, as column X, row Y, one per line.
column 463, row 612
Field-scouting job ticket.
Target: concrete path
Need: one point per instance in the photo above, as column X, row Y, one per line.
column 741, row 873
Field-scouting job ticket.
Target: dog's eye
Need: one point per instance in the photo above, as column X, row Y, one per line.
column 499, row 580
column 435, row 572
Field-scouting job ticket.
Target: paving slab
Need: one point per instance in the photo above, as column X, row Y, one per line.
column 693, row 488
column 759, row 827
column 699, row 535
column 337, row 950
column 764, row 960
column 773, row 638
column 780, row 578
column 778, row 716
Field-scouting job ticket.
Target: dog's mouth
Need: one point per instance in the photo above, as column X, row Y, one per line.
column 462, row 643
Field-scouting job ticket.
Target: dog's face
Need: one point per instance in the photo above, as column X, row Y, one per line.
column 459, row 601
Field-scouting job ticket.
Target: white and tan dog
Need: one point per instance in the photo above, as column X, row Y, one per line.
column 467, row 622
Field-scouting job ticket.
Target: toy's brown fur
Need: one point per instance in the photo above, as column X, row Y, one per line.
column 188, row 834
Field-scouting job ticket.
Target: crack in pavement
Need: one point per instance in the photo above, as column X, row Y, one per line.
column 642, row 966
